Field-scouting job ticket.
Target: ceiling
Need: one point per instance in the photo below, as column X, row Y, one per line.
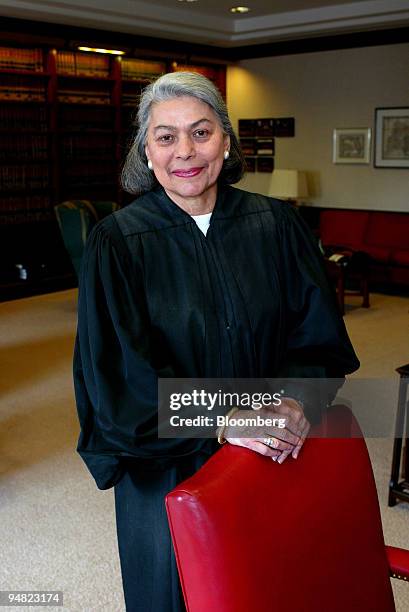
column 210, row 22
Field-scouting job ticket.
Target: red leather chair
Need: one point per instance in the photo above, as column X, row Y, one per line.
column 305, row 536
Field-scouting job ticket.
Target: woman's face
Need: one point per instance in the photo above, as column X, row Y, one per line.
column 186, row 144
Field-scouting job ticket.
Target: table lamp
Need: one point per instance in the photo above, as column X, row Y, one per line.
column 288, row 185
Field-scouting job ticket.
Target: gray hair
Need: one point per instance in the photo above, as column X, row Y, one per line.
column 136, row 177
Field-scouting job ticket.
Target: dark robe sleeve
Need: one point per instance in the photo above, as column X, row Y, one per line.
column 317, row 345
column 115, row 383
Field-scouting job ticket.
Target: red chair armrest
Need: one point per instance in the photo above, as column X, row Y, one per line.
column 398, row 559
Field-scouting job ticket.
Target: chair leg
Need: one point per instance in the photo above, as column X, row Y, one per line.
column 396, row 462
column 395, row 488
column 341, row 292
column 365, row 293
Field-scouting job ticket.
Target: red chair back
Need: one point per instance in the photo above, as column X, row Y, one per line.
column 304, row 536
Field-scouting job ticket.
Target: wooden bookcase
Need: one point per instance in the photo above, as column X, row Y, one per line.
column 66, row 118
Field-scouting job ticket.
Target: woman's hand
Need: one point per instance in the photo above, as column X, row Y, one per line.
column 275, row 442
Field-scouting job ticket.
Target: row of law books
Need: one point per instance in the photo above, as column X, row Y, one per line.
column 141, row 70
column 12, row 58
column 21, row 91
column 91, row 174
column 84, row 146
column 76, row 96
column 28, row 147
column 14, row 178
column 85, row 117
column 82, row 64
column 24, row 203
column 131, row 98
column 32, row 216
column 24, row 118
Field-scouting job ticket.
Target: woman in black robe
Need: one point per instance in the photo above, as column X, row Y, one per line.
column 194, row 279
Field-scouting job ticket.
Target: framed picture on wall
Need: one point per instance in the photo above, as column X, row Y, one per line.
column 351, row 146
column 392, row 137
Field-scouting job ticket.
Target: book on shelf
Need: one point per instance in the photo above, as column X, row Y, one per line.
column 24, row 203
column 82, row 64
column 13, row 58
column 23, row 147
column 76, row 147
column 98, row 173
column 18, row 89
column 21, row 95
column 86, row 118
column 75, row 96
column 92, row 64
column 131, row 99
column 141, row 70
column 22, row 118
column 26, row 217
column 15, row 178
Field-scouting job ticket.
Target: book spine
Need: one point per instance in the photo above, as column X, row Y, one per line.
column 12, row 58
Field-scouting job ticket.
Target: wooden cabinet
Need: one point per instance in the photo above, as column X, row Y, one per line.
column 66, row 119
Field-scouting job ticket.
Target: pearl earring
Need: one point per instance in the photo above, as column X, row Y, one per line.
column 150, row 164
column 226, row 154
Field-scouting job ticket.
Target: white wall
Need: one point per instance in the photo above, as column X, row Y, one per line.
column 323, row 91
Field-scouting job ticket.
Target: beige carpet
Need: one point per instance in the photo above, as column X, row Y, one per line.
column 57, row 530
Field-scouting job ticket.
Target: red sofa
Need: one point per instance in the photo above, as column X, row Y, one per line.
column 384, row 236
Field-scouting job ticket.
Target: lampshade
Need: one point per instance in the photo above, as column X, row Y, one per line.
column 290, row 184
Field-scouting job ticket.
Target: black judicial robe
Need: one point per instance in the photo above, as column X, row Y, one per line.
column 158, row 298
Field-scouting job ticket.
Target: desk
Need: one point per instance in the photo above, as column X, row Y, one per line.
column 400, row 490
column 343, row 271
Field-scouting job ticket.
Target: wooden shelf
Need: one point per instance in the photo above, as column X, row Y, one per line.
column 86, row 104
column 18, row 161
column 40, row 75
column 24, row 102
column 31, row 190
column 79, row 160
column 98, row 184
column 137, row 81
column 24, row 132
column 84, row 130
column 85, row 77
column 26, row 214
